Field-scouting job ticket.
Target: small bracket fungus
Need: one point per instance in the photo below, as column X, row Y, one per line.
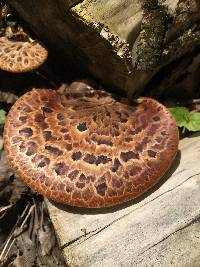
column 20, row 56
column 85, row 148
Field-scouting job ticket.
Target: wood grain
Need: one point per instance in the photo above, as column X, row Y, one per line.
column 161, row 229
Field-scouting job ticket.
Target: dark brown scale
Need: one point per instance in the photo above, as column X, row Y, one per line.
column 91, row 159
column 63, row 130
column 48, row 136
column 82, row 178
column 76, row 155
column 44, row 162
column 82, row 127
column 80, row 185
column 26, row 132
column 32, row 149
column 53, row 150
column 22, row 147
column 94, row 118
column 68, row 189
column 104, row 142
column 108, row 114
column 61, row 169
column 139, row 147
column 126, row 156
column 25, row 53
column 163, row 133
column 123, row 120
column 151, row 153
column 128, row 139
column 101, row 189
column 116, row 165
column 68, row 147
column 102, row 160
column 72, row 175
column 67, row 137
column 60, row 117
column 47, row 110
column 156, row 118
column 23, row 119
column 40, row 119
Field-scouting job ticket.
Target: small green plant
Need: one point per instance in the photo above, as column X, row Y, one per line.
column 186, row 119
column 2, row 116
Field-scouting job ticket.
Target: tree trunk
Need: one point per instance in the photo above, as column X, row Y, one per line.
column 124, row 44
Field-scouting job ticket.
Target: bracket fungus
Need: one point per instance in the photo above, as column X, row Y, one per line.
column 85, row 148
column 21, row 56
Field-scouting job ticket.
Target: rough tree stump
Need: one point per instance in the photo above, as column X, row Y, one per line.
column 124, row 44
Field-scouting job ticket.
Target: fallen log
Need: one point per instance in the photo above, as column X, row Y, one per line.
column 123, row 44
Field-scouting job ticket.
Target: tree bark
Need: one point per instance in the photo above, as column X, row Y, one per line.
column 124, row 44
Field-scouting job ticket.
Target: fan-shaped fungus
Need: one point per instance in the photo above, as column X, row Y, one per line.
column 20, row 56
column 86, row 148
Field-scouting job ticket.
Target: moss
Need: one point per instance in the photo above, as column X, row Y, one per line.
column 149, row 5
column 151, row 39
column 186, row 43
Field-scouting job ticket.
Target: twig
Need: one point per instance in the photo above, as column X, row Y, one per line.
column 7, row 244
column 3, row 209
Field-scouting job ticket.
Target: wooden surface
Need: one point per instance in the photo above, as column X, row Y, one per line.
column 82, row 42
column 118, row 42
column 160, row 229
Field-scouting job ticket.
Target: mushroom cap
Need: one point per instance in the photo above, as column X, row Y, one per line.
column 85, row 148
column 18, row 56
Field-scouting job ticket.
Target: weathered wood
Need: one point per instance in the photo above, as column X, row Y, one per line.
column 88, row 47
column 121, row 43
column 160, row 229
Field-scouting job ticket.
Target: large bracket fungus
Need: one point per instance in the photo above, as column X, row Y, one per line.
column 21, row 56
column 85, row 148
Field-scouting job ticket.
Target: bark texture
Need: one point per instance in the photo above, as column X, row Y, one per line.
column 124, row 44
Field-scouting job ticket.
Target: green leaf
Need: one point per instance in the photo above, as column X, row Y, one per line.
column 2, row 116
column 184, row 118
column 181, row 115
column 194, row 122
